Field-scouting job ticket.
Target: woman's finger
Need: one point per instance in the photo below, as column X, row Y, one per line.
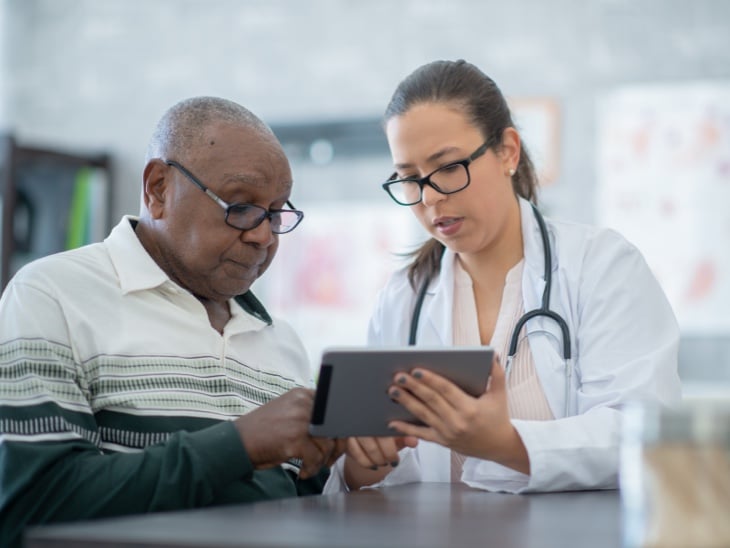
column 412, row 433
column 420, row 401
column 367, row 452
column 441, row 388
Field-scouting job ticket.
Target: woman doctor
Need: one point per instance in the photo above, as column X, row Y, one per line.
column 552, row 421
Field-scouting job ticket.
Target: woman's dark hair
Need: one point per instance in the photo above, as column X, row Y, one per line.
column 465, row 86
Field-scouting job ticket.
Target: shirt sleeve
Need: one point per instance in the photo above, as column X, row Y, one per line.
column 51, row 464
column 407, row 471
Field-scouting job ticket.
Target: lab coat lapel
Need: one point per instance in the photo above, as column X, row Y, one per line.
column 533, row 283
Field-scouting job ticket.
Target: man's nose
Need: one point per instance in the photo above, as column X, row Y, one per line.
column 261, row 235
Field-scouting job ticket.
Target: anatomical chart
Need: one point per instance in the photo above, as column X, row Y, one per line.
column 663, row 171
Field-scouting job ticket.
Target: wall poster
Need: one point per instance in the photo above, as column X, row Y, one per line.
column 663, row 164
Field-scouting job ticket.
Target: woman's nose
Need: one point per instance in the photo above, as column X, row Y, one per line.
column 431, row 196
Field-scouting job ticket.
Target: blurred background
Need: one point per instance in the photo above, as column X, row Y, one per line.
column 625, row 105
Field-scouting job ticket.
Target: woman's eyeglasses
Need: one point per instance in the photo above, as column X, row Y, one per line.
column 447, row 179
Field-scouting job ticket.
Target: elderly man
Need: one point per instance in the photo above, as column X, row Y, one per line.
column 141, row 374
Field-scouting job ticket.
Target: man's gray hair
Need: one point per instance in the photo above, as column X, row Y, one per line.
column 181, row 129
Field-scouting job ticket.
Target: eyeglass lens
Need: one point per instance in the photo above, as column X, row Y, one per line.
column 248, row 217
column 448, row 179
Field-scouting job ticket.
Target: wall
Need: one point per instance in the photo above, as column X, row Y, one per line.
column 3, row 67
column 96, row 75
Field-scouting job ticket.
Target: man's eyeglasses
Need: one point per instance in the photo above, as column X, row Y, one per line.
column 447, row 179
column 248, row 216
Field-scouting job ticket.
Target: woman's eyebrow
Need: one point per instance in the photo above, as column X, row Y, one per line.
column 435, row 156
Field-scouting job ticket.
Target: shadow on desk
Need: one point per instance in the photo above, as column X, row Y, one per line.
column 415, row 515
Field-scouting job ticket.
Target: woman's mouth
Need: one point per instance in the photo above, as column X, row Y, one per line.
column 448, row 226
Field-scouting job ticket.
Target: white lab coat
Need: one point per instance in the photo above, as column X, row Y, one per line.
column 624, row 341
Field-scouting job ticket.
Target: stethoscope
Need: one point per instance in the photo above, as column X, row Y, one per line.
column 544, row 310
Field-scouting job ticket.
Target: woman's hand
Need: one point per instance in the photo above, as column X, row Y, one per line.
column 477, row 427
column 370, row 459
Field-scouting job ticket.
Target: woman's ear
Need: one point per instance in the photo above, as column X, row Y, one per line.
column 510, row 150
column 155, row 184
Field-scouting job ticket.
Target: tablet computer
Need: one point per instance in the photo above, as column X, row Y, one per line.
column 352, row 399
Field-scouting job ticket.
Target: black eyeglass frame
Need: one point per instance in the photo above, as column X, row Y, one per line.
column 423, row 181
column 266, row 213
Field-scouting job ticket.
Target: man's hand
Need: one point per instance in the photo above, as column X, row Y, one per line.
column 279, row 431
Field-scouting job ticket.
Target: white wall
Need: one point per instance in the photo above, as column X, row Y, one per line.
column 96, row 75
column 3, row 70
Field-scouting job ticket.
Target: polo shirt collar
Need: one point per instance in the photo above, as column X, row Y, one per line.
column 137, row 271
column 134, row 266
column 253, row 306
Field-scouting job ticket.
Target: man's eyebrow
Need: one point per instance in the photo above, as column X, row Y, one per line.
column 244, row 178
column 435, row 156
column 252, row 180
column 239, row 177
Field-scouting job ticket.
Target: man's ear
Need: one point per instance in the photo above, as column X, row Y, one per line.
column 510, row 149
column 155, row 181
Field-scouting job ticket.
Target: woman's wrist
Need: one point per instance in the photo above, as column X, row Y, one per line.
column 357, row 476
column 513, row 453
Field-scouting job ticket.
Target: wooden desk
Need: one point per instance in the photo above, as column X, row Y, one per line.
column 416, row 515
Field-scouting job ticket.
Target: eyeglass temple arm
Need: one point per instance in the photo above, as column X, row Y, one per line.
column 215, row 198
column 197, row 183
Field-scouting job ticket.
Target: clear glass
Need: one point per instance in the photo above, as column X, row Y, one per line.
column 675, row 476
